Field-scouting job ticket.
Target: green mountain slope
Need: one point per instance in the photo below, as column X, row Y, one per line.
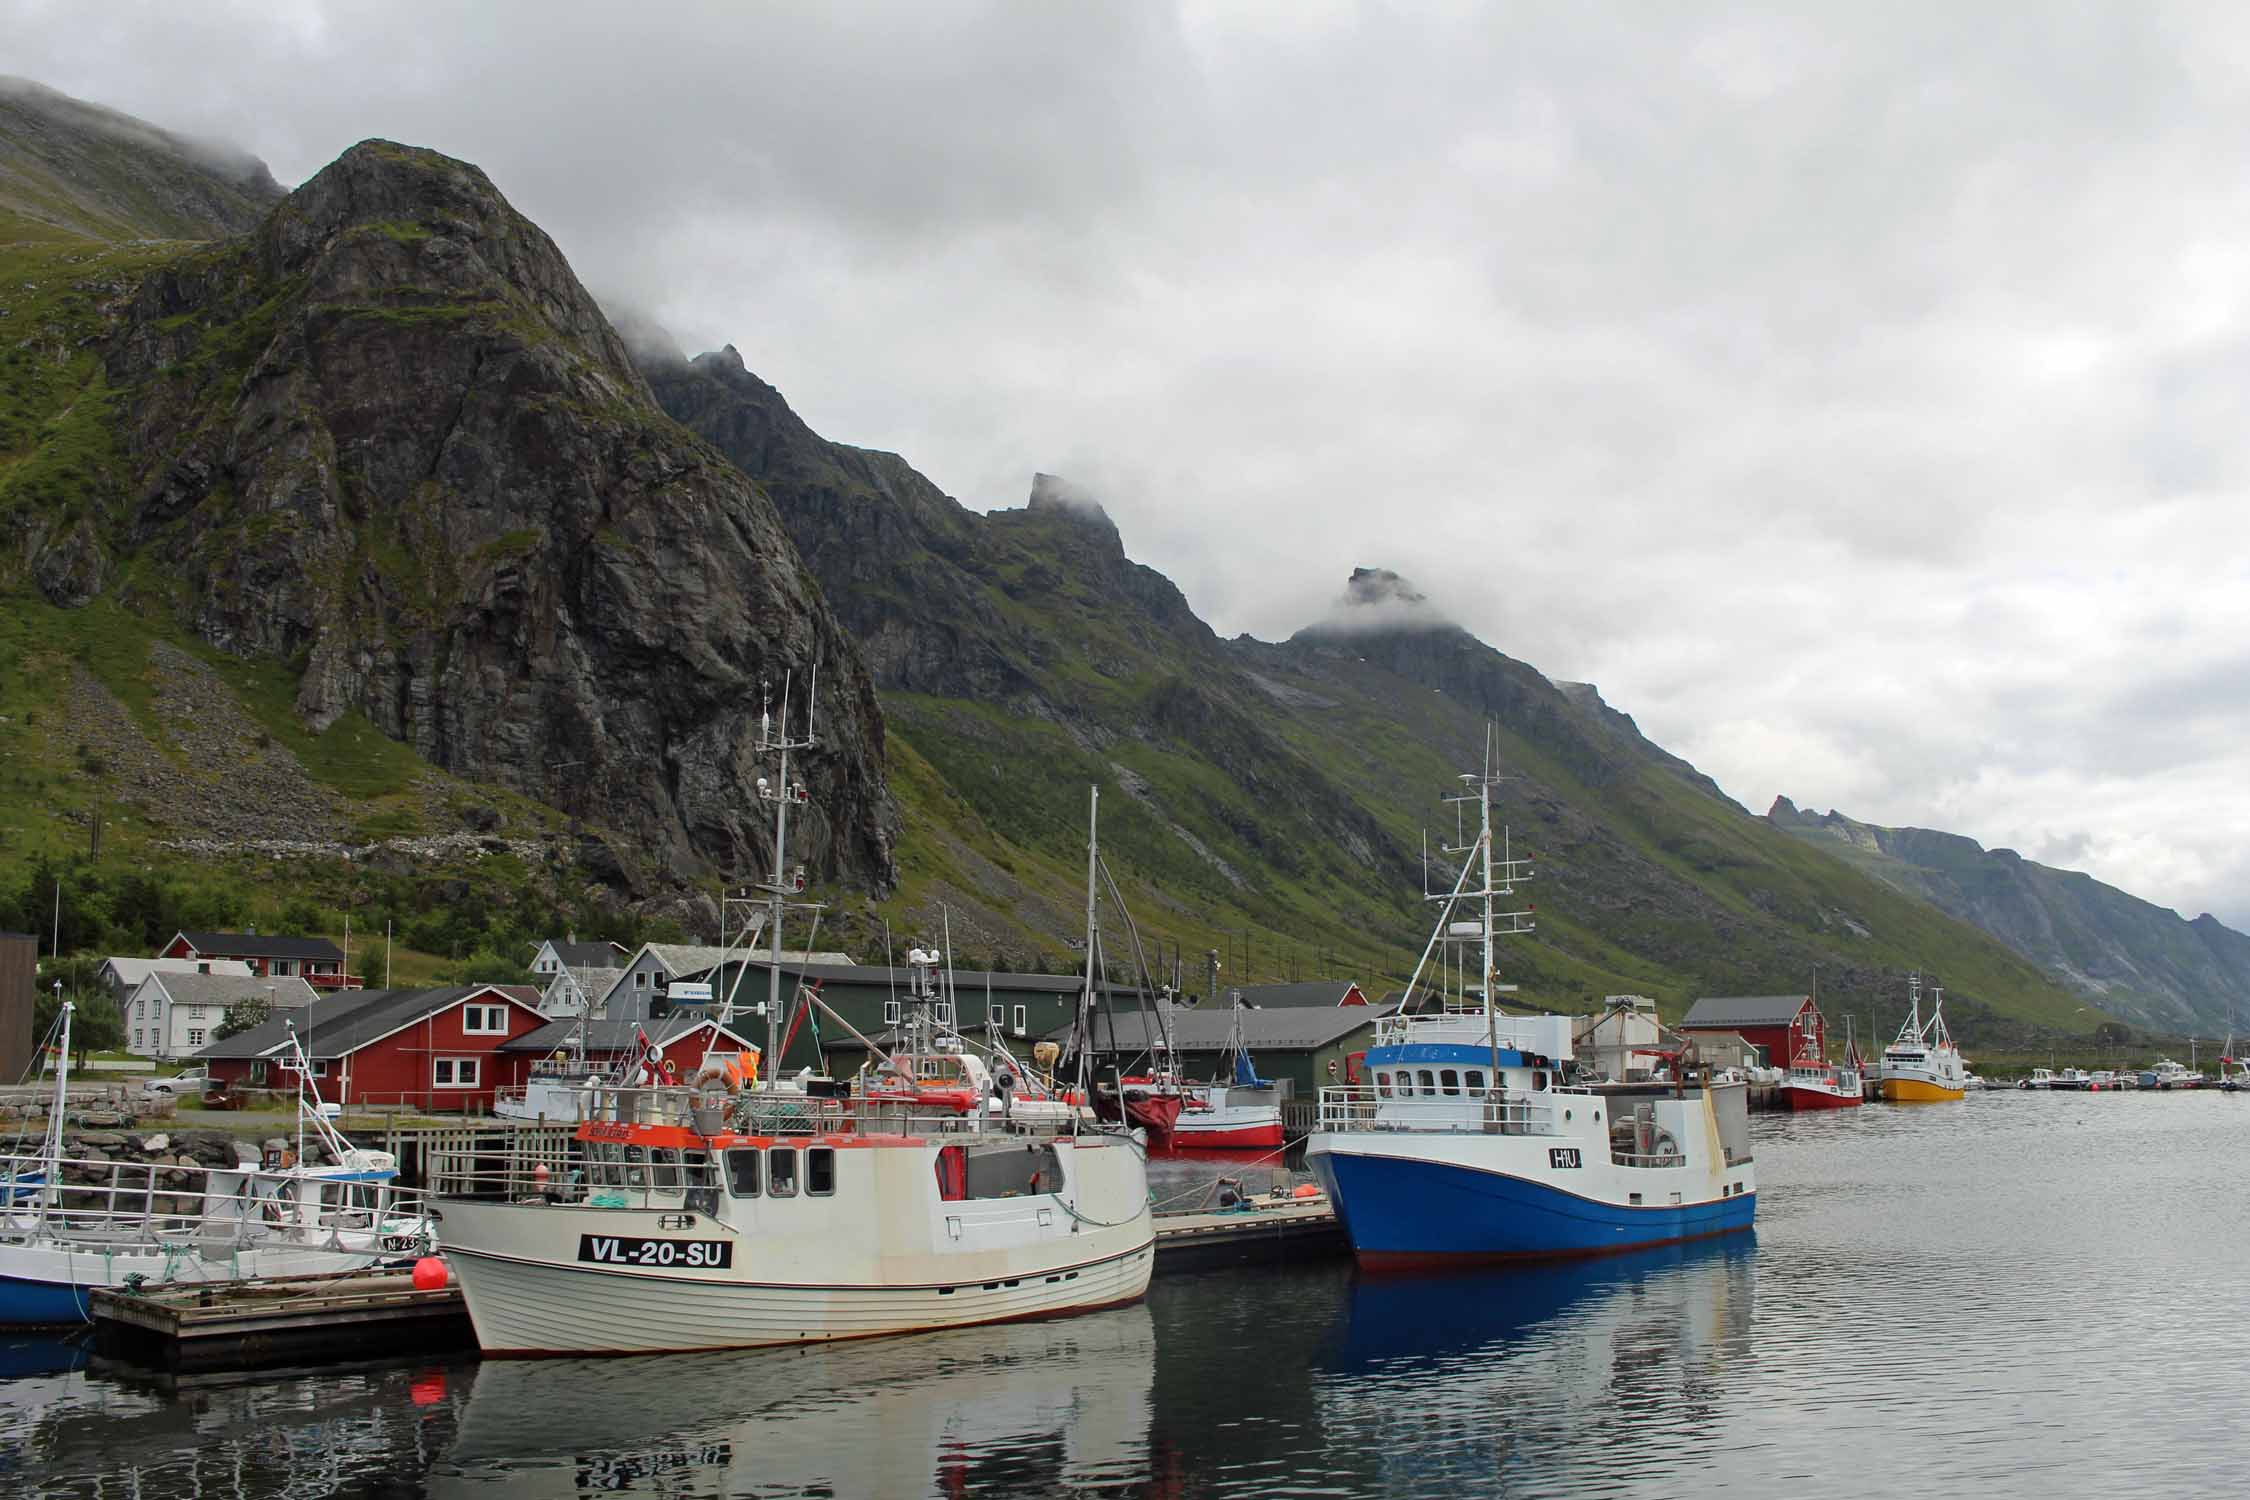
column 2131, row 957
column 1275, row 794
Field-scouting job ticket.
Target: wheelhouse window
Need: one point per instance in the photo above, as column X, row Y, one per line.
column 1473, row 1080
column 742, row 1172
column 455, row 1072
column 820, row 1171
column 1429, row 1081
column 781, row 1172
column 1383, row 1085
column 1451, row 1080
column 665, row 1163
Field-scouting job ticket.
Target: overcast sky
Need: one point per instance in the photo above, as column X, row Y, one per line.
column 1856, row 395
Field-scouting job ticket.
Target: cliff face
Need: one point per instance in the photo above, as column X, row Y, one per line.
column 388, row 437
column 2132, row 957
column 69, row 169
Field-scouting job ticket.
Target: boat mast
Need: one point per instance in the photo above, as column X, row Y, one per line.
column 775, row 741
column 50, row 1193
column 1086, row 999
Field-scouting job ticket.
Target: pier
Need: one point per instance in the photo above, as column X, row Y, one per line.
column 309, row 1319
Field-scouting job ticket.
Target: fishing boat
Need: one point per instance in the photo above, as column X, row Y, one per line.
column 1922, row 1064
column 1465, row 1142
column 2169, row 1074
column 723, row 1213
column 1813, row 1082
column 73, row 1226
column 2038, row 1078
column 1237, row 1112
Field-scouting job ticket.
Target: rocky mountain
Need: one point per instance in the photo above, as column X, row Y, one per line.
column 2130, row 957
column 1284, row 786
column 74, row 170
column 387, row 438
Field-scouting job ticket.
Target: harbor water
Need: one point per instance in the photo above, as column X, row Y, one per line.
column 2020, row 1294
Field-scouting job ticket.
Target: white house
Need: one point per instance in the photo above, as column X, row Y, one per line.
column 557, row 954
column 171, row 1015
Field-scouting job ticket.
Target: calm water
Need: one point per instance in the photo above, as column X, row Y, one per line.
column 2022, row 1294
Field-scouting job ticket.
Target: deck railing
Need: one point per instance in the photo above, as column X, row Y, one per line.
column 98, row 1204
column 1493, row 1112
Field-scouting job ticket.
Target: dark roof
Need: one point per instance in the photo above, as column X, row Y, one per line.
column 1728, row 1012
column 337, row 1024
column 969, row 984
column 1292, row 1028
column 608, row 1036
column 595, row 955
column 259, row 945
column 1310, row 992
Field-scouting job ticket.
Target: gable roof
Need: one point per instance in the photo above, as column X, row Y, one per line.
column 259, row 945
column 1728, row 1012
column 287, row 992
column 599, row 954
column 1309, row 992
column 593, row 983
column 1289, row 1028
column 131, row 971
column 337, row 1025
column 614, row 1036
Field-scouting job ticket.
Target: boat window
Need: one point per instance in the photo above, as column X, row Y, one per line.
column 696, row 1170
column 1009, row 1172
column 820, row 1171
column 1429, row 1082
column 742, row 1173
column 1538, row 1080
column 636, row 1174
column 781, row 1172
column 1382, row 1085
column 665, row 1167
column 1451, row 1080
column 1473, row 1080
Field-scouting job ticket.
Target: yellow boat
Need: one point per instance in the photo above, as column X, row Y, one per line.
column 1923, row 1065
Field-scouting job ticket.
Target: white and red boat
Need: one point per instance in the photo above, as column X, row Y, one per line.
column 1239, row 1113
column 1813, row 1082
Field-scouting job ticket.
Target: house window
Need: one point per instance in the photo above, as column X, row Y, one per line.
column 484, row 1020
column 1023, row 1019
column 315, row 1070
column 996, row 1015
column 136, row 1039
column 454, row 1072
column 282, row 967
column 258, row 1073
column 640, row 980
column 890, row 1012
column 195, row 1036
column 195, row 1013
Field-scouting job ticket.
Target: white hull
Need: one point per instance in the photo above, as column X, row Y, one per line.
column 883, row 1254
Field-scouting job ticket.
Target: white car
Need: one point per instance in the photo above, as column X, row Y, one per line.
column 191, row 1084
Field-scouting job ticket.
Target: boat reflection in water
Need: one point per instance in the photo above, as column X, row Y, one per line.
column 1510, row 1369
column 1024, row 1408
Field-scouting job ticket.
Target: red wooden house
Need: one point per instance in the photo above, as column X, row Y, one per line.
column 1786, row 1026
column 681, row 1039
column 316, row 961
column 437, row 1050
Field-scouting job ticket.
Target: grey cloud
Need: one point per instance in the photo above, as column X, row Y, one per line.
column 1853, row 392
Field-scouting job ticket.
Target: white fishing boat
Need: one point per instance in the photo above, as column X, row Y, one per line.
column 1466, row 1143
column 1922, row 1064
column 723, row 1215
column 2038, row 1078
column 73, row 1226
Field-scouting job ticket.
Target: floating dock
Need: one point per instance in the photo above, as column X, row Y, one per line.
column 213, row 1325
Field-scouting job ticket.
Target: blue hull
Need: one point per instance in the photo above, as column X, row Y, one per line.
column 30, row 1303
column 1402, row 1212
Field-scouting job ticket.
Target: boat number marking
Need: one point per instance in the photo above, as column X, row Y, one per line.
column 616, row 1250
column 1562, row 1156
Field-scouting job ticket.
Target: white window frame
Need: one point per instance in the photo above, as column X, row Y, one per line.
column 446, row 1072
column 640, row 979
column 315, row 1067
column 891, row 1012
column 195, row 1036
column 996, row 1014
column 195, row 1012
column 472, row 1017
column 1023, row 1019
column 282, row 968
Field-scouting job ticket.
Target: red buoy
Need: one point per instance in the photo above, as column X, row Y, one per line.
column 430, row 1273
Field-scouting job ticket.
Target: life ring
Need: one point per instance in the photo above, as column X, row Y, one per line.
column 713, row 1075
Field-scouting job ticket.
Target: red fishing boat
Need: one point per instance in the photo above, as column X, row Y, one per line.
column 1813, row 1082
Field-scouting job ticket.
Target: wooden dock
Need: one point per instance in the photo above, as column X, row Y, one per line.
column 208, row 1325
column 310, row 1319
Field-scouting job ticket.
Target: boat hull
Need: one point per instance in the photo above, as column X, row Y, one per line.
column 1798, row 1096
column 1241, row 1136
column 1919, row 1091
column 532, row 1307
column 1401, row 1211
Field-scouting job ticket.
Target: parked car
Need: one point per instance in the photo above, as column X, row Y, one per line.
column 185, row 1085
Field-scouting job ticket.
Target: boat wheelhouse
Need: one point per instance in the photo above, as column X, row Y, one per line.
column 1466, row 1140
